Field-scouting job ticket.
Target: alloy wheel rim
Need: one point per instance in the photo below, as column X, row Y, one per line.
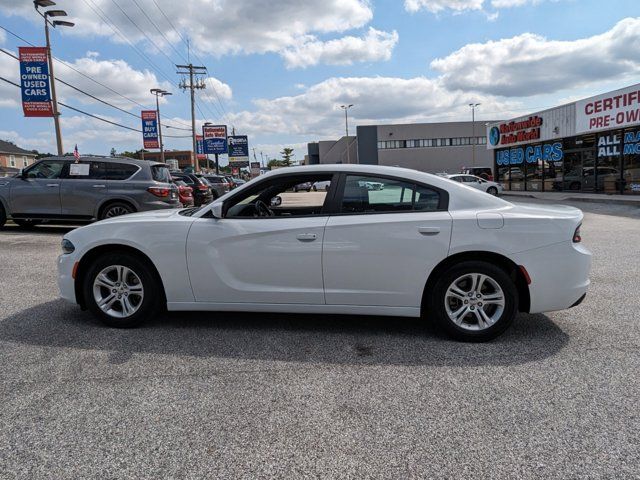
column 118, row 291
column 474, row 301
column 116, row 212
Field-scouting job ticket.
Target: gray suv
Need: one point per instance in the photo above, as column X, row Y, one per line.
column 58, row 188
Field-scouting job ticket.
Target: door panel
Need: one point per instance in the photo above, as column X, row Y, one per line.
column 257, row 260
column 382, row 259
column 81, row 194
column 39, row 193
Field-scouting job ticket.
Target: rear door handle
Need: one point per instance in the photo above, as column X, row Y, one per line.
column 99, row 186
column 429, row 230
column 306, row 237
column 53, row 184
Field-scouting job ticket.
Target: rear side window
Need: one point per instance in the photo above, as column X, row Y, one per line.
column 97, row 171
column 382, row 195
column 160, row 173
column 120, row 171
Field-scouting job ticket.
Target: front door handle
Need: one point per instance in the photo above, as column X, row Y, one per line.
column 306, row 237
column 429, row 230
column 53, row 184
column 99, row 186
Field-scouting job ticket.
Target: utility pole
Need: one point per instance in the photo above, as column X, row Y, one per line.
column 158, row 92
column 55, row 23
column 190, row 70
column 346, row 125
column 473, row 132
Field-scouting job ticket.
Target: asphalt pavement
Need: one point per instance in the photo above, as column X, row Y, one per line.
column 221, row 395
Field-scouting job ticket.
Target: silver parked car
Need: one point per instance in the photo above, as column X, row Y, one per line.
column 94, row 188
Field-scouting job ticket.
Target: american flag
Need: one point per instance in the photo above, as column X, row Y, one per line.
column 76, row 153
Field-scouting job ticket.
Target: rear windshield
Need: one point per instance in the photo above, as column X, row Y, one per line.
column 214, row 179
column 160, row 173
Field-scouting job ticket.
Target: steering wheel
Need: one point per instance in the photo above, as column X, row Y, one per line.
column 262, row 210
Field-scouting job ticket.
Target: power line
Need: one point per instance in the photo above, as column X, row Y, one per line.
column 159, row 31
column 105, row 18
column 95, row 116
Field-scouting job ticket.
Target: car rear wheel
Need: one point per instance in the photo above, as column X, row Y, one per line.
column 492, row 191
column 115, row 210
column 473, row 301
column 3, row 216
column 121, row 290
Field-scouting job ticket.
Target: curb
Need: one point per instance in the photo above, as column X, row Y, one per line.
column 605, row 199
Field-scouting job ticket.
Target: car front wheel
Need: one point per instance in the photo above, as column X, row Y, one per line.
column 3, row 216
column 473, row 301
column 121, row 290
column 492, row 191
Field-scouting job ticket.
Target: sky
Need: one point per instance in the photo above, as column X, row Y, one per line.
column 278, row 70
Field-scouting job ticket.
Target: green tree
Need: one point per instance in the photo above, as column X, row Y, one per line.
column 113, row 152
column 287, row 154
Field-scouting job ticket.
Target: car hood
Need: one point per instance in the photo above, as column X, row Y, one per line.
column 144, row 216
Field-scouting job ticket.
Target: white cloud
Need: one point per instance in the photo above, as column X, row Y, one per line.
column 530, row 64
column 116, row 74
column 435, row 6
column 215, row 27
column 315, row 112
column 374, row 46
column 9, row 69
column 40, row 142
column 458, row 6
column 222, row 89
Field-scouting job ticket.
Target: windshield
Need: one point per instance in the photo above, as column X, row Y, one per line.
column 160, row 173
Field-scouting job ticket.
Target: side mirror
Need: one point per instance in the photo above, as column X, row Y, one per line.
column 216, row 210
column 276, row 201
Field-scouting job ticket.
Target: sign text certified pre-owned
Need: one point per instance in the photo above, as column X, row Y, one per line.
column 611, row 110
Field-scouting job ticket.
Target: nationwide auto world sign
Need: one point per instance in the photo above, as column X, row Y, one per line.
column 516, row 131
column 34, row 81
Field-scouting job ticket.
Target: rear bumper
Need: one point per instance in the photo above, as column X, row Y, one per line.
column 559, row 275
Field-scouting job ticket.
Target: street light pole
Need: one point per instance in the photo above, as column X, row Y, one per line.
column 54, row 98
column 473, row 131
column 158, row 92
column 346, row 125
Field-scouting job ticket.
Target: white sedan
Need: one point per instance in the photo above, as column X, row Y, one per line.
column 420, row 246
column 492, row 188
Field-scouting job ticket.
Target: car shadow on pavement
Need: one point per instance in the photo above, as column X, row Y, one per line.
column 330, row 339
column 39, row 230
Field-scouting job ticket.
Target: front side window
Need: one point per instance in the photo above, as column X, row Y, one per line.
column 47, row 169
column 279, row 198
column 364, row 194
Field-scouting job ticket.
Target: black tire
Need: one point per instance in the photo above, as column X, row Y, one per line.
column 116, row 209
column 3, row 216
column 27, row 223
column 436, row 309
column 492, row 191
column 575, row 186
column 295, row 189
column 315, row 189
column 152, row 294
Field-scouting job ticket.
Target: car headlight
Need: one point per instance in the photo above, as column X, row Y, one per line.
column 67, row 246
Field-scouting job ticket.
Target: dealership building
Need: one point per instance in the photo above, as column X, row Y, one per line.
column 428, row 147
column 592, row 145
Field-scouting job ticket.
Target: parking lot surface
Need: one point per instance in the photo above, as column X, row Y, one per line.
column 221, row 395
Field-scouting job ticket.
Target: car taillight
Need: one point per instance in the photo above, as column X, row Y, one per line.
column 203, row 188
column 577, row 238
column 161, row 192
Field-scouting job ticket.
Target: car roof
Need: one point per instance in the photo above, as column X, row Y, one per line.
column 461, row 196
column 98, row 158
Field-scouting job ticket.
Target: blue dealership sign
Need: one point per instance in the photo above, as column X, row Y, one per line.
column 238, row 148
column 215, row 139
column 34, row 80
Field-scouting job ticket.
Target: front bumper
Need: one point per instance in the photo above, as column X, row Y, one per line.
column 66, row 283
